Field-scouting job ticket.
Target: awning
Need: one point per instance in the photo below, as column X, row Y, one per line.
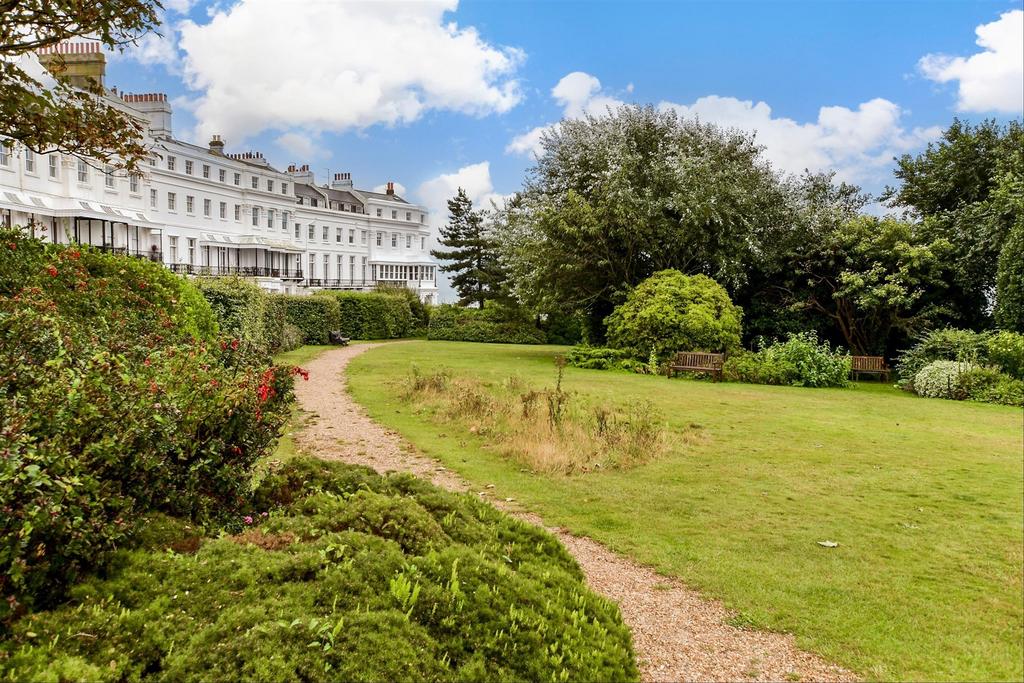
column 27, row 203
column 267, row 243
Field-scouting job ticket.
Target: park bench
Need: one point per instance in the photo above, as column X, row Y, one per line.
column 693, row 361
column 335, row 338
column 869, row 365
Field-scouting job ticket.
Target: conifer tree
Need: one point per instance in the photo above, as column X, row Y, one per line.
column 472, row 253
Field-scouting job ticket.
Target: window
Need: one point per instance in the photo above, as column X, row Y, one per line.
column 222, row 175
column 337, row 235
column 5, row 154
column 133, row 183
column 54, row 164
column 206, row 170
column 255, row 183
column 408, row 241
column 223, row 210
column 423, row 243
column 30, row 161
column 190, row 204
column 380, row 212
column 284, row 188
column 352, row 267
column 83, row 172
column 394, row 239
column 172, row 243
column 298, row 229
column 326, row 230
column 380, row 239
column 351, row 236
column 341, row 274
column 312, row 265
column 270, row 185
column 270, row 218
column 394, row 214
column 188, row 167
column 363, row 265
column 238, row 179
column 191, row 251
column 238, row 212
column 326, row 262
column 422, row 219
column 170, row 163
column 108, row 176
column 172, row 200
column 312, row 232
column 207, row 205
column 408, row 215
column 256, row 216
column 284, row 220
column 152, row 199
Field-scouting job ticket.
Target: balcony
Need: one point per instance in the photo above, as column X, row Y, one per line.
column 151, row 254
column 242, row 271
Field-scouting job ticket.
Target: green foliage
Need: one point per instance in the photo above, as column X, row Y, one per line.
column 492, row 324
column 112, row 406
column 941, row 379
column 988, row 385
column 420, row 311
column 1006, row 350
column 800, row 361
column 316, row 316
column 242, row 311
column 596, row 357
column 351, row 576
column 670, row 312
column 563, row 328
column 291, row 338
column 1009, row 311
column 472, row 253
column 372, row 315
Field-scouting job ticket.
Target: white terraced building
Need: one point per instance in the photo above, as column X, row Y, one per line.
column 203, row 212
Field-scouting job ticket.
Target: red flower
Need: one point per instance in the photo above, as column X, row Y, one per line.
column 214, row 382
column 263, row 391
column 300, row 372
column 223, row 346
column 234, row 344
column 52, row 270
column 146, row 362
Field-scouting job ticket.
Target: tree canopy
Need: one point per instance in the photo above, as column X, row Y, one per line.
column 472, row 254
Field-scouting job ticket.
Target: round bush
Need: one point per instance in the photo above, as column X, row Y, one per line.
column 670, row 312
column 941, row 379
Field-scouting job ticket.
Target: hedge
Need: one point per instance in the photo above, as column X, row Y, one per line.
column 316, row 316
column 454, row 323
column 242, row 310
column 372, row 315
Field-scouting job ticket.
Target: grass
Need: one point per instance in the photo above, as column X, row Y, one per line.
column 924, row 497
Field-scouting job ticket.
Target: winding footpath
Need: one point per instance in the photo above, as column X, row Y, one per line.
column 678, row 634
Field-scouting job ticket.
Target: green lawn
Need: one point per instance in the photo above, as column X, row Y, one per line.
column 924, row 497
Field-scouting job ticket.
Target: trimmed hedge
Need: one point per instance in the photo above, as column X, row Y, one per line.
column 372, row 315
column 316, row 316
column 343, row 575
column 454, row 323
column 242, row 310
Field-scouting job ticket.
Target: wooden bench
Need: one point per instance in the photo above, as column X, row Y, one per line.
column 335, row 338
column 693, row 361
column 869, row 365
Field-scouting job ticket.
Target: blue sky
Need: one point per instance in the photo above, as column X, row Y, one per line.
column 436, row 94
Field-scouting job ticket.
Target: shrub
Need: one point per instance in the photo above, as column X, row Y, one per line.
column 943, row 344
column 116, row 399
column 562, row 328
column 596, row 357
column 316, row 316
column 372, row 315
column 1006, row 350
column 351, row 576
column 291, row 338
column 492, row 324
column 988, row 385
column 241, row 310
column 941, row 379
column 799, row 361
column 420, row 311
column 670, row 312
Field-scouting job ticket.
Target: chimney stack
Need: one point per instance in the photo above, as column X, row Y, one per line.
column 341, row 181
column 82, row 64
column 391, row 188
column 156, row 108
column 217, row 145
column 302, row 174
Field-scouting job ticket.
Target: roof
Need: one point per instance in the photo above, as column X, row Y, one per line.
column 382, row 196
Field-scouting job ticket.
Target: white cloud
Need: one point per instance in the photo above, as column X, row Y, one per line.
column 179, row 6
column 475, row 179
column 336, row 66
column 301, row 146
column 152, row 48
column 857, row 143
column 991, row 80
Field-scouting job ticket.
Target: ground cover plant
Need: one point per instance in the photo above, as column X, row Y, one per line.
column 924, row 497
column 335, row 573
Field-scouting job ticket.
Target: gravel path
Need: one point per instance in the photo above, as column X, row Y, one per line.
column 678, row 635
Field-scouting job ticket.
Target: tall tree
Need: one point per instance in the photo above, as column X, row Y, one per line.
column 472, row 253
column 44, row 112
column 615, row 198
column 949, row 187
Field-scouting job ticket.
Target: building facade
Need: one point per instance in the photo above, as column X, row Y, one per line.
column 202, row 211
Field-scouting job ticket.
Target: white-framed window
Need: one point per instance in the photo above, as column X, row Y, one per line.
column 238, row 212
column 238, row 179
column 83, row 171
column 223, row 210
column 284, row 188
column 256, row 216
column 363, row 271
column 170, row 163
column 337, row 234
column 312, row 265
column 327, row 261
column 408, row 215
column 207, row 207
column 30, row 161
column 380, row 239
column 270, row 218
column 351, row 236
column 133, row 183
column 191, row 251
column 5, row 154
column 380, row 212
column 312, row 232
column 326, row 234
column 285, row 217
column 255, row 182
column 408, row 241
column 190, row 203
column 341, row 274
column 206, row 170
column 362, row 237
column 188, row 167
column 222, row 175
column 152, row 199
column 394, row 239
column 54, row 161
column 298, row 231
column 270, row 185
column 172, row 200
column 394, row 214
column 108, row 176
column 422, row 218
column 172, row 244
column 423, row 243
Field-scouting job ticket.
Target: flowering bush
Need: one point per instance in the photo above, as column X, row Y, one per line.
column 116, row 398
column 941, row 379
column 801, row 360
